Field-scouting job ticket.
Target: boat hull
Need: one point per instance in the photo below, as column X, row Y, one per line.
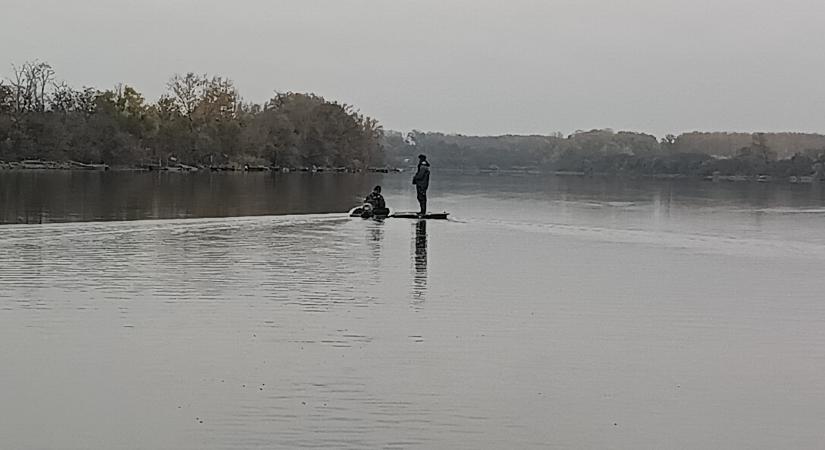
column 415, row 215
column 359, row 211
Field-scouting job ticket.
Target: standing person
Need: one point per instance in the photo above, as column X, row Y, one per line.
column 421, row 180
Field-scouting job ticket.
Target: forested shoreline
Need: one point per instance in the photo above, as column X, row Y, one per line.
column 199, row 121
column 696, row 154
column 202, row 121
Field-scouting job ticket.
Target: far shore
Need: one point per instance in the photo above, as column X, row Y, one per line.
column 38, row 165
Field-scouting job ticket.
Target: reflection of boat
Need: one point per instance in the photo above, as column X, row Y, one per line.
column 366, row 213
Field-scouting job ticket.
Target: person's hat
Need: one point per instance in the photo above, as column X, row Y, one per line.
column 422, row 157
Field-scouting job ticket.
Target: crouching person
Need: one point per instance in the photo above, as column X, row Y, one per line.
column 377, row 205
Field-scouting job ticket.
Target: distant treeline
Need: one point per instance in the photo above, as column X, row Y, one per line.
column 203, row 121
column 200, row 120
column 606, row 151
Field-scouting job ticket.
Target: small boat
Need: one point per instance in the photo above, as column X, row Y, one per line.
column 491, row 169
column 183, row 168
column 248, row 168
column 33, row 164
column 367, row 213
column 415, row 215
column 83, row 166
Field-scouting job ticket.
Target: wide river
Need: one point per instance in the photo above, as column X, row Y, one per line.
column 236, row 311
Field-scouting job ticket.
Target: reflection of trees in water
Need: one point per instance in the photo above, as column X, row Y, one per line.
column 420, row 263
column 58, row 196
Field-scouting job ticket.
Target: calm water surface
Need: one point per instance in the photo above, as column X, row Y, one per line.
column 247, row 311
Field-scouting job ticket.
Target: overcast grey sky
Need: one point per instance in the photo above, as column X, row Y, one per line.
column 474, row 67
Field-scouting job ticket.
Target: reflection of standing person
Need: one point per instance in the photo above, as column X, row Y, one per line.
column 421, row 247
column 420, row 260
column 421, row 180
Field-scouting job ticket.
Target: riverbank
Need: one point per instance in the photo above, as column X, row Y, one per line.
column 657, row 176
column 36, row 164
column 33, row 164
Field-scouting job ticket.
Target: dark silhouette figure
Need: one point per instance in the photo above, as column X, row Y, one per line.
column 421, row 180
column 420, row 260
column 378, row 207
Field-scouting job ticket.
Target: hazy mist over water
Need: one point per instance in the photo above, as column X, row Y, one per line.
column 550, row 312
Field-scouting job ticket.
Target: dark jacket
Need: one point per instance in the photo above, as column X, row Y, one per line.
column 422, row 175
column 376, row 200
